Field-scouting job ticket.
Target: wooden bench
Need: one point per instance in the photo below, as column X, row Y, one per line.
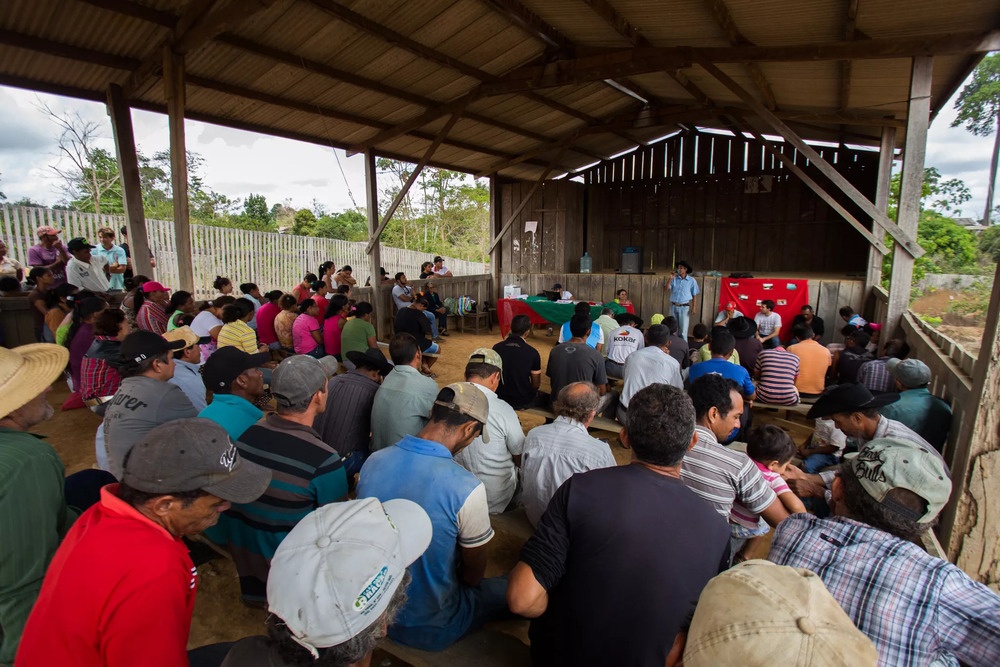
column 800, row 408
column 599, row 423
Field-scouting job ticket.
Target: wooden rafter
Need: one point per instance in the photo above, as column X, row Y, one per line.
column 628, row 62
column 124, row 63
column 903, row 238
column 169, row 20
column 845, row 65
column 725, row 21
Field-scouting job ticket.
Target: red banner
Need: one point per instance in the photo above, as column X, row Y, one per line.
column 788, row 295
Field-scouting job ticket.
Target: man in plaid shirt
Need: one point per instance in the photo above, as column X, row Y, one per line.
column 875, row 374
column 917, row 609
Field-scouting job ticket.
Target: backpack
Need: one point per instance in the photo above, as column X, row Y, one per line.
column 465, row 305
column 451, row 306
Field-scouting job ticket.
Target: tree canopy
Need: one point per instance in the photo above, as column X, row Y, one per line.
column 978, row 106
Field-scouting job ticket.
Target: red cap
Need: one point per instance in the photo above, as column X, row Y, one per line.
column 153, row 286
column 730, row 305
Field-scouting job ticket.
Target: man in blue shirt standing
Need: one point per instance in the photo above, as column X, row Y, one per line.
column 683, row 288
column 448, row 596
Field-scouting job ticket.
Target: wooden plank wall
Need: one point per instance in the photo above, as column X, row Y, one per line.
column 479, row 287
column 558, row 207
column 648, row 296
column 690, row 198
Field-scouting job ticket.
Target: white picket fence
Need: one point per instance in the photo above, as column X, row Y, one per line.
column 273, row 261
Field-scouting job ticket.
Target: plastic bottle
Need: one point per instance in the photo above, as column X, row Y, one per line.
column 586, row 263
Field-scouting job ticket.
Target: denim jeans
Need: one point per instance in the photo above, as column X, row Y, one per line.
column 434, row 327
column 683, row 316
column 813, row 463
column 354, row 461
column 489, row 603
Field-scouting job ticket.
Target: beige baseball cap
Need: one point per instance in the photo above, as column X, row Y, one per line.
column 486, row 355
column 468, row 400
column 759, row 613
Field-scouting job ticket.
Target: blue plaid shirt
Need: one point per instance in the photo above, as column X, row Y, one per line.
column 874, row 375
column 918, row 609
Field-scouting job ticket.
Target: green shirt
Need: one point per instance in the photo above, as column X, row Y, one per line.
column 33, row 520
column 402, row 406
column 923, row 412
column 355, row 336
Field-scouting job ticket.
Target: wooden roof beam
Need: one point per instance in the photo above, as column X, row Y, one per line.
column 725, row 21
column 904, row 239
column 845, row 65
column 629, row 62
column 196, row 26
column 112, row 61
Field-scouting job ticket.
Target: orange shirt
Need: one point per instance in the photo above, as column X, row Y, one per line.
column 814, row 360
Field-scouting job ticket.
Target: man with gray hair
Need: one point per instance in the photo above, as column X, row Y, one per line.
column 308, row 473
column 554, row 452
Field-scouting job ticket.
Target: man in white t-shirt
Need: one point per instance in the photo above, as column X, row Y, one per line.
column 768, row 324
column 84, row 270
column 402, row 293
column 620, row 343
column 440, row 269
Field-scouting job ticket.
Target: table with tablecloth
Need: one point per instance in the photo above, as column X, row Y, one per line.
column 542, row 311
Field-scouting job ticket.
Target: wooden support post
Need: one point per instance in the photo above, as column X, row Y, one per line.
column 907, row 241
column 128, row 171
column 969, row 528
column 524, row 202
column 495, row 253
column 886, row 152
column 375, row 254
column 912, row 179
column 173, row 81
column 428, row 154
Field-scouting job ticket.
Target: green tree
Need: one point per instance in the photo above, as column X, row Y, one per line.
column 349, row 225
column 989, row 242
column 256, row 216
column 978, row 108
column 305, row 223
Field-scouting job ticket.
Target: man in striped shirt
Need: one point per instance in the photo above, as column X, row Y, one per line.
column 306, row 473
column 917, row 609
column 715, row 473
column 776, row 370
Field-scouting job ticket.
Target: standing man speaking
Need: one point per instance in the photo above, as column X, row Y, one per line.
column 682, row 288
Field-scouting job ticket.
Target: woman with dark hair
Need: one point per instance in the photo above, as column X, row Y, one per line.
column 285, row 320
column 325, row 273
column 81, row 333
column 208, row 324
column 41, row 279
column 129, row 305
column 151, row 315
column 99, row 378
column 265, row 320
column 426, row 270
column 307, row 334
column 59, row 302
column 181, row 303
column 235, row 331
column 223, row 285
column 320, row 292
column 358, row 334
column 302, row 290
column 333, row 326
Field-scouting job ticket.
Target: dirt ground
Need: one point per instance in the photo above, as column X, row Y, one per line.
column 966, row 330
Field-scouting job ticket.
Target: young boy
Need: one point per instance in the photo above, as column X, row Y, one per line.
column 772, row 450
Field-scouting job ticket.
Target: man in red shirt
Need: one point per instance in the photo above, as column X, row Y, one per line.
column 120, row 589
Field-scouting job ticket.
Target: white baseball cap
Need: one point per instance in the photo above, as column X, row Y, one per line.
column 334, row 574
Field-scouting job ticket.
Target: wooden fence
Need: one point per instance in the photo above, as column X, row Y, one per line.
column 647, row 295
column 273, row 261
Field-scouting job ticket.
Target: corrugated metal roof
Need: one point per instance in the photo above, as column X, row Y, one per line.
column 418, row 56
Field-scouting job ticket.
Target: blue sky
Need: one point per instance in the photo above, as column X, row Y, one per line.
column 238, row 163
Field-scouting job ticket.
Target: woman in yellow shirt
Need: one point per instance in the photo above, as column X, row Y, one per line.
column 235, row 330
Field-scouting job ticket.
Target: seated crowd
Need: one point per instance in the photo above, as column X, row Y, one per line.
column 355, row 494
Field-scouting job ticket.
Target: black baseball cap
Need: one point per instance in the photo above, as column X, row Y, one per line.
column 141, row 345
column 79, row 243
column 370, row 358
column 228, row 363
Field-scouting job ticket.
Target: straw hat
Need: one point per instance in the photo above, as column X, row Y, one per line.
column 26, row 371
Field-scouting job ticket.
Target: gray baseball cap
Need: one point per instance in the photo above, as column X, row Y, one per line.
column 470, row 401
column 298, row 377
column 192, row 454
column 911, row 373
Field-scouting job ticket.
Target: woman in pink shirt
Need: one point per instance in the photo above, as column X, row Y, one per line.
column 336, row 317
column 307, row 334
column 265, row 320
